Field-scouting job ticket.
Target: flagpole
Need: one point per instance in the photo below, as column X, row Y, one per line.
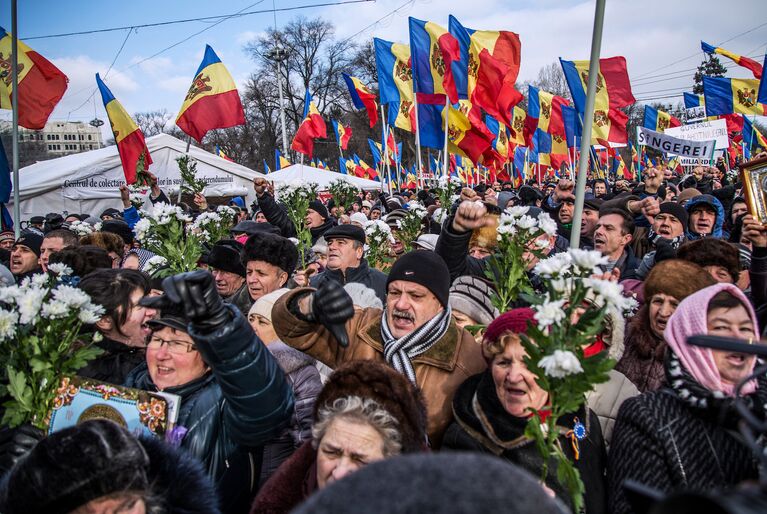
column 386, row 147
column 15, row 128
column 580, row 187
column 419, row 174
column 445, row 171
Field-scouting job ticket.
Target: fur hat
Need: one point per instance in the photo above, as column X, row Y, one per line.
column 226, row 256
column 120, row 228
column 710, row 251
column 387, row 387
column 273, row 249
column 677, row 278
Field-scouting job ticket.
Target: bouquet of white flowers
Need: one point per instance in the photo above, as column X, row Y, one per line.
column 210, row 227
column 41, row 340
column 520, row 238
column 82, row 228
column 409, row 227
column 343, row 193
column 569, row 316
column 296, row 196
column 448, row 189
column 379, row 241
column 163, row 232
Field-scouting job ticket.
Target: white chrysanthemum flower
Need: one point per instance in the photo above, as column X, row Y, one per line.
column 97, row 226
column 561, row 364
column 225, row 210
column 8, row 320
column 587, row 260
column 526, row 222
column 556, row 265
column 60, row 269
column 154, row 263
column 71, row 296
column 517, row 211
column 547, row 224
column 549, row 313
column 90, row 313
column 81, row 228
column 9, row 294
column 29, row 304
column 55, row 309
column 142, row 228
column 39, row 280
column 563, row 285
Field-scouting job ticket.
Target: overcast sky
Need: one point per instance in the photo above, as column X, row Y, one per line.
column 659, row 38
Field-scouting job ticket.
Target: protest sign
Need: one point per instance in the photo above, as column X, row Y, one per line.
column 670, row 144
column 703, row 131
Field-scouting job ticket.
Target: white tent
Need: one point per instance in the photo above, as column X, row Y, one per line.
column 321, row 177
column 89, row 182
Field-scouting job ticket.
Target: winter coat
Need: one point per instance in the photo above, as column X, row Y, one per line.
column 277, row 215
column 481, row 424
column 663, row 443
column 114, row 365
column 362, row 274
column 290, row 485
column 230, row 412
column 305, row 382
column 642, row 360
column 439, row 370
column 241, row 299
column 718, row 224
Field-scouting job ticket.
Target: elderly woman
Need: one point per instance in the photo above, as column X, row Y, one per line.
column 365, row 413
column 234, row 397
column 685, row 436
column 492, row 410
column 304, row 379
column 669, row 282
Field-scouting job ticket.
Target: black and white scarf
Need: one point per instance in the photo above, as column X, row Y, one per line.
column 399, row 352
column 674, row 242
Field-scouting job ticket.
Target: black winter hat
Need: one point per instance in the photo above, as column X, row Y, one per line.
column 424, row 268
column 675, row 210
column 31, row 240
column 250, row 227
column 69, row 468
column 226, row 255
column 345, row 232
column 111, row 212
column 120, row 228
column 317, row 206
column 273, row 249
column 528, row 195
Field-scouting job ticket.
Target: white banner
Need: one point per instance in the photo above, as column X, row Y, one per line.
column 670, row 144
column 703, row 131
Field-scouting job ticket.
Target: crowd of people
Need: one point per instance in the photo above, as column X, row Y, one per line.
column 339, row 386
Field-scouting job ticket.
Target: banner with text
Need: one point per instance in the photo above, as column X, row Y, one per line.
column 703, row 131
column 670, row 144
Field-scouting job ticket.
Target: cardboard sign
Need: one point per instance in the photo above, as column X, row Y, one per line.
column 704, row 131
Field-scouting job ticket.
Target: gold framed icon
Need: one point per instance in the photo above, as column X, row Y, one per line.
column 754, row 177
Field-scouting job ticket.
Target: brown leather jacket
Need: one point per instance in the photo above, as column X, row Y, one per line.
column 439, row 371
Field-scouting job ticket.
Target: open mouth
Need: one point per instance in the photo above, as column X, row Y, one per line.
column 599, row 241
column 515, row 391
column 164, row 371
column 736, row 359
column 664, row 231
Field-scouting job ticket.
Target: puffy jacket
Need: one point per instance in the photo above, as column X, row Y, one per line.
column 114, row 365
column 362, row 274
column 707, row 199
column 230, row 412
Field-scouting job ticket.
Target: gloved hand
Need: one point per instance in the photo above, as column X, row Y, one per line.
column 664, row 250
column 332, row 306
column 15, row 443
column 194, row 293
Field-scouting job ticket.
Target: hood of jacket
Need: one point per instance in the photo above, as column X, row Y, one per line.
column 710, row 200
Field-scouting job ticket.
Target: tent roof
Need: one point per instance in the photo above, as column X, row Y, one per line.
column 321, row 177
column 49, row 175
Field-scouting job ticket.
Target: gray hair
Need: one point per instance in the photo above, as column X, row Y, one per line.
column 360, row 410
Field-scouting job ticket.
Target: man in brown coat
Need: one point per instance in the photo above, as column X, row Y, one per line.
column 415, row 334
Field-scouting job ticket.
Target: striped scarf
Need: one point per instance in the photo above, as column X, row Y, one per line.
column 399, row 352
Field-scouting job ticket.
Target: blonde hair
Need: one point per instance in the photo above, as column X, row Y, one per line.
column 491, row 349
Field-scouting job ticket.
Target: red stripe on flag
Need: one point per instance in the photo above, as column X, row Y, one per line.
column 211, row 112
column 451, row 51
column 130, row 148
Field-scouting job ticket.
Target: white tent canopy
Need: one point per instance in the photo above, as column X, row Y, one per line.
column 89, row 182
column 321, row 177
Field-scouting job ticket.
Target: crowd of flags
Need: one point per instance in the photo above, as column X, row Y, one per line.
column 454, row 90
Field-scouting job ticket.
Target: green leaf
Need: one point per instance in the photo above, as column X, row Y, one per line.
column 39, row 365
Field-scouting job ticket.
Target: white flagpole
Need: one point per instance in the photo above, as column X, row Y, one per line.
column 445, row 172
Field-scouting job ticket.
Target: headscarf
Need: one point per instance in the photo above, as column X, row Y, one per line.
column 689, row 319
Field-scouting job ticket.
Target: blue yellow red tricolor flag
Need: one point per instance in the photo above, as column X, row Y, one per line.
column 762, row 93
column 41, row 84
column 279, row 161
column 727, row 96
column 501, row 141
column 517, row 128
column 362, row 97
column 343, row 134
column 395, row 82
column 740, row 60
column 266, row 168
column 692, row 100
column 573, row 126
column 311, row 128
column 487, row 69
column 128, row 137
column 221, row 154
column 464, row 137
column 751, row 135
column 613, row 92
column 212, row 101
column 657, row 120
column 433, row 50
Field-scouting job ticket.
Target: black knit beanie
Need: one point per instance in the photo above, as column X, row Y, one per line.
column 424, row 268
column 675, row 210
column 317, row 206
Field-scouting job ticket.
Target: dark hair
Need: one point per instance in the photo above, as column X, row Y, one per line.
column 106, row 240
column 710, row 251
column 69, row 237
column 112, row 288
column 627, row 225
column 724, row 300
column 82, row 259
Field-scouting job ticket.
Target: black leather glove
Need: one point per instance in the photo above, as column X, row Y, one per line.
column 194, row 294
column 332, row 306
column 15, row 443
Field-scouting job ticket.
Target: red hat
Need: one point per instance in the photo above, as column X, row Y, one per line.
column 514, row 321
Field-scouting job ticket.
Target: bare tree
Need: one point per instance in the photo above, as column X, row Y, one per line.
column 153, row 122
column 552, row 80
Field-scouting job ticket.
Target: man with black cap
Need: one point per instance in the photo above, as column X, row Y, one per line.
column 269, row 261
column 346, row 261
column 317, row 220
column 415, row 334
column 225, row 263
column 25, row 254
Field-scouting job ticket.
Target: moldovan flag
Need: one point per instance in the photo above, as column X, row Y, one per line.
column 343, row 134
column 657, row 120
column 128, row 137
column 613, row 92
column 751, row 135
column 362, row 97
column 311, row 128
column 487, row 69
column 692, row 100
column 501, row 142
column 221, row 154
column 740, row 60
column 212, row 101
column 544, row 112
column 727, row 96
column 395, row 82
column 280, row 161
column 464, row 137
column 433, row 51
column 41, row 84
column 572, row 126
column 517, row 134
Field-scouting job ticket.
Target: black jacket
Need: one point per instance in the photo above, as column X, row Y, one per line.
column 481, row 424
column 114, row 365
column 231, row 411
column 363, row 274
column 277, row 215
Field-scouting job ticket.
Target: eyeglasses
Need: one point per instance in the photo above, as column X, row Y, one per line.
column 175, row 347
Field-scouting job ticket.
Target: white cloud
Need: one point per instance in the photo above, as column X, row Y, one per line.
column 178, row 84
column 247, row 36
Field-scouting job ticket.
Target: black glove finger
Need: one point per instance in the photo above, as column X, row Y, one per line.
column 196, row 307
column 340, row 334
column 169, row 286
column 156, row 302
